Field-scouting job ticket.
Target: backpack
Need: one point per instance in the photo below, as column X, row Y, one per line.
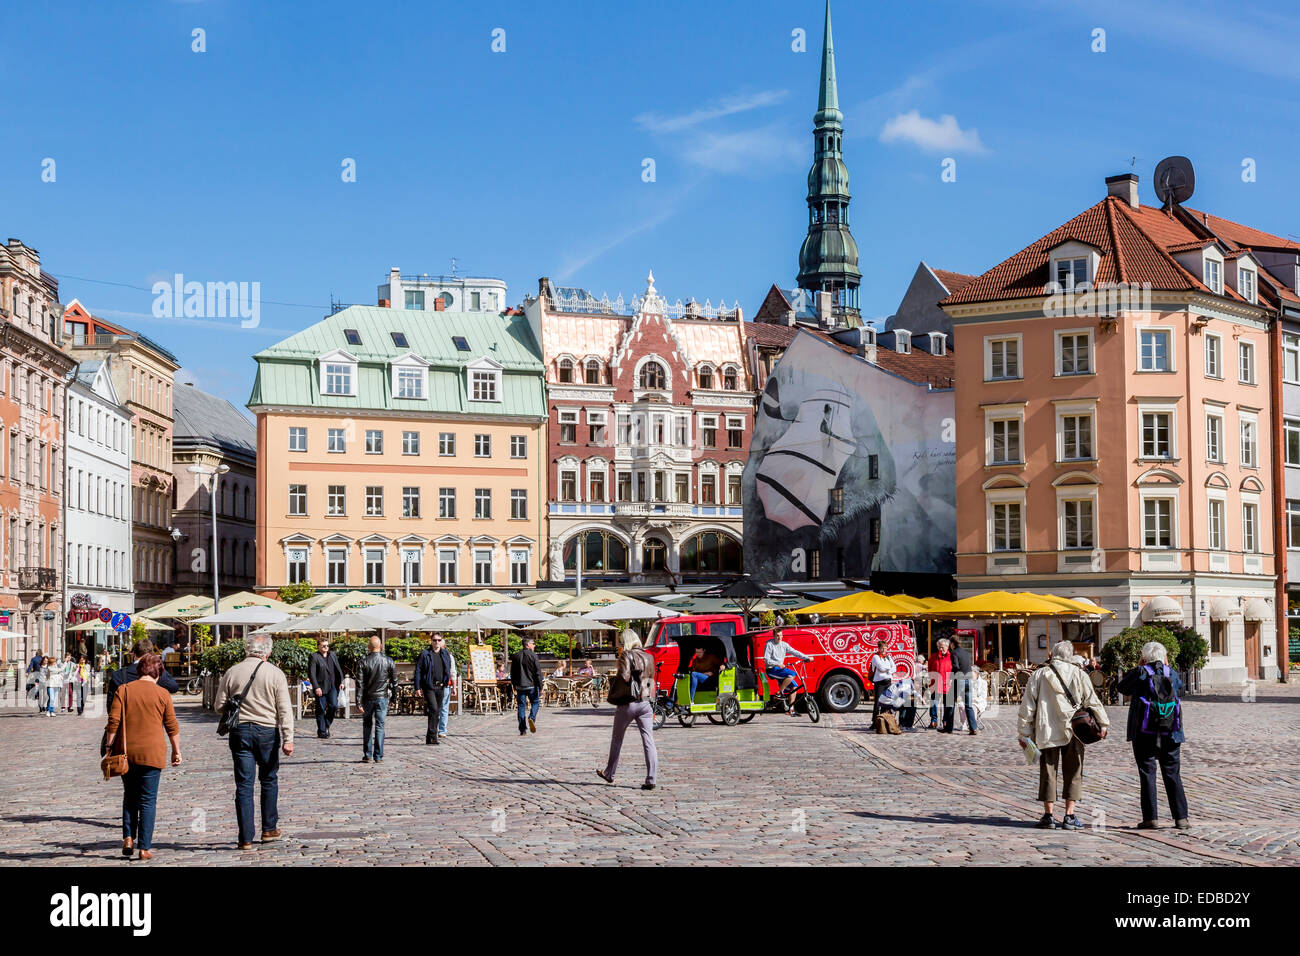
column 1162, row 711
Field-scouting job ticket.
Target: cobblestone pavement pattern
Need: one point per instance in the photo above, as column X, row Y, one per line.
column 777, row 789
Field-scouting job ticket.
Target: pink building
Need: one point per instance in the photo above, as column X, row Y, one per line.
column 1114, row 422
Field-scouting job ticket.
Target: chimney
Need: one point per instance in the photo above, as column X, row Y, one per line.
column 790, row 317
column 1125, row 187
column 824, row 318
column 440, row 304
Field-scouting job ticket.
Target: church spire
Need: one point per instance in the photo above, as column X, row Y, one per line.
column 828, row 259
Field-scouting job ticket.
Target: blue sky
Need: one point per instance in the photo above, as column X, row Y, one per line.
column 225, row 165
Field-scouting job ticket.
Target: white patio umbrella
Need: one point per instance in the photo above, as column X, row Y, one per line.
column 569, row 622
column 391, row 614
column 630, row 609
column 515, row 612
column 332, row 623
column 431, row 622
column 253, row 614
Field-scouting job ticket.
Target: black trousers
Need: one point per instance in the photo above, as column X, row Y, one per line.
column 881, row 687
column 1152, row 749
column 433, row 708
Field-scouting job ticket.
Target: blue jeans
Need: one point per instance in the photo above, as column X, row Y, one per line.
column 140, row 804
column 372, row 727
column 325, row 704
column 697, row 678
column 523, row 695
column 446, row 709
column 53, row 698
column 256, row 750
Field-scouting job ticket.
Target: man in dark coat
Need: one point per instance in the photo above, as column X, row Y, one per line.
column 526, row 677
column 326, row 676
column 129, row 673
column 962, row 665
column 432, row 675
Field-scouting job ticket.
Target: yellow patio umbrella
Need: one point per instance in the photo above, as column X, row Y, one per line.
column 592, row 601
column 863, row 604
column 1073, row 604
column 484, row 598
column 233, row 602
column 554, row 598
column 186, row 606
column 436, row 602
column 98, row 625
column 1001, row 604
column 342, row 603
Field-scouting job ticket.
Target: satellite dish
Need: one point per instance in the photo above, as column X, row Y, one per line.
column 1175, row 180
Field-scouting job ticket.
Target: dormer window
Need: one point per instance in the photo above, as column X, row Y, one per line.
column 706, row 377
column 1214, row 275
column 652, row 375
column 566, row 371
column 592, row 370
column 1071, row 272
column 483, row 386
column 937, row 344
column 338, row 373
column 729, row 378
column 1246, row 283
column 410, row 375
column 903, row 342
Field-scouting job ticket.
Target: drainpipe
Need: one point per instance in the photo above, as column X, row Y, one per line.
column 1281, row 620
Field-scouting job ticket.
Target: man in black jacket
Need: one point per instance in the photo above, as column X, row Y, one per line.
column 432, row 675
column 376, row 685
column 326, row 676
column 132, row 672
column 962, row 665
column 526, row 676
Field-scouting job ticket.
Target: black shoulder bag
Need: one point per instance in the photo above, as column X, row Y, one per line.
column 230, row 710
column 1083, row 723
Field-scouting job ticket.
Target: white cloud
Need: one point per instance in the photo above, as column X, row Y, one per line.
column 728, row 106
column 744, row 151
column 942, row 135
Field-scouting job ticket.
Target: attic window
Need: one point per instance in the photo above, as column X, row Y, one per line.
column 1246, row 284
column 399, row 339
column 1214, row 275
column 1071, row 272
column 353, row 336
column 903, row 342
column 937, row 346
column 462, row 345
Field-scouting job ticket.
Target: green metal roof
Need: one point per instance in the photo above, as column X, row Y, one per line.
column 288, row 372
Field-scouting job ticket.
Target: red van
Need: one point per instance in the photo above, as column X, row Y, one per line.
column 839, row 672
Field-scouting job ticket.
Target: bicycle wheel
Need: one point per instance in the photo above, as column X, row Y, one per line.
column 814, row 712
column 660, row 716
column 746, row 718
column 686, row 719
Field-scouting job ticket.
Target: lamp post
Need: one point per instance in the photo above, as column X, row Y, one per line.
column 215, row 556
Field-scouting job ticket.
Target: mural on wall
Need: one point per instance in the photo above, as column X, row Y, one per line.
column 851, row 469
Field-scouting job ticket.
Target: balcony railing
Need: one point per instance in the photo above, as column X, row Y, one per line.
column 37, row 579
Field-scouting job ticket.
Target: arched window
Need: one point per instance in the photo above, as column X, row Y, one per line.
column 601, row 552
column 654, row 555
column 706, row 377
column 711, row 551
column 729, row 378
column 593, row 372
column 652, row 375
column 566, row 371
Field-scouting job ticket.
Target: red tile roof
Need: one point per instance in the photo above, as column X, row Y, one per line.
column 1240, row 235
column 953, row 281
column 770, row 334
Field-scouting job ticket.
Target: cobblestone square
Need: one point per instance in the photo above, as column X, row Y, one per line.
column 777, row 789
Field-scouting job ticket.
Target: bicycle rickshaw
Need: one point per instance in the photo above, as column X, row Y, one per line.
column 735, row 692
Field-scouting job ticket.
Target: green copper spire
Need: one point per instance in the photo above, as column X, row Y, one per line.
column 828, row 105
column 828, row 259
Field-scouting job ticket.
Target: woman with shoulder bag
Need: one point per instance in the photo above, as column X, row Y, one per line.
column 140, row 716
column 631, row 690
column 1051, row 719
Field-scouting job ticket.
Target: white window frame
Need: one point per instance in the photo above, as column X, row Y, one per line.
column 410, row 442
column 484, row 384
column 448, row 566
column 1212, row 273
column 481, row 503
column 444, row 500
column 519, row 442
column 520, row 496
column 1247, row 284
column 1291, row 358
column 374, row 502
column 1247, row 369
column 366, row 564
column 902, row 341
column 1251, row 528
column 1213, row 356
column 1172, row 412
column 995, row 499
column 1060, row 337
column 296, row 432
column 1291, row 429
column 411, row 494
column 1249, row 448
column 1066, row 410
column 342, row 435
column 1071, row 263
column 330, row 564
column 329, row 502
column 1002, row 413
column 289, row 562
column 404, row 557
column 1217, row 498
column 482, row 445
column 1154, row 330
column 446, row 444
column 331, row 371
column 517, row 578
column 1292, row 522
column 567, row 417
column 1072, row 496
column 1164, row 494
column 1215, row 455
column 989, row 342
column 292, row 496
column 374, row 441
column 479, row 564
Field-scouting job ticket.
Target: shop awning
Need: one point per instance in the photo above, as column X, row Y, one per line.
column 1258, row 609
column 1222, row 609
column 1162, row 609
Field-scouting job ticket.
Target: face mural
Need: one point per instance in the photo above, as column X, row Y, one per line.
column 851, row 469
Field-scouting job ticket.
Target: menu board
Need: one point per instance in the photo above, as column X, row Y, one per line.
column 481, row 665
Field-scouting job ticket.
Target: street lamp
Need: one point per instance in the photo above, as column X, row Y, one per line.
column 215, row 556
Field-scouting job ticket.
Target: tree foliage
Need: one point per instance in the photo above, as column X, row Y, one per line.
column 1123, row 652
column 296, row 593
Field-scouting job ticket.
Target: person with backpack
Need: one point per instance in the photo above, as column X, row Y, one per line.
column 1155, row 728
column 883, row 670
column 631, row 690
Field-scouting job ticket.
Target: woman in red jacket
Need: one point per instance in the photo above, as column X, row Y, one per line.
column 940, row 667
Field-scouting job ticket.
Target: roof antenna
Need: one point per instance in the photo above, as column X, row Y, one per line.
column 453, row 267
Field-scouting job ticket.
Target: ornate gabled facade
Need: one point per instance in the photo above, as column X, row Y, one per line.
column 650, row 412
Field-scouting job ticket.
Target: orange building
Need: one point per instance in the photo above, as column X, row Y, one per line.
column 1114, row 423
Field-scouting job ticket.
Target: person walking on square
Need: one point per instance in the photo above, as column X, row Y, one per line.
column 81, row 681
column 124, row 675
column 1044, row 721
column 326, row 676
column 52, row 681
column 142, row 713
column 265, row 729
column 34, row 681
column 631, row 691
column 962, row 667
column 526, row 679
column 941, row 667
column 433, row 672
column 376, row 685
column 883, row 669
column 1155, row 729
column 69, row 682
column 446, row 697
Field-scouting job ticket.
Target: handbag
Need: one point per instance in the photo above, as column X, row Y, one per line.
column 1084, row 722
column 114, row 764
column 230, row 710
